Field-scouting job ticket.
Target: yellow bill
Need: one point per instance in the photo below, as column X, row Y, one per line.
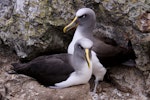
column 73, row 24
column 87, row 57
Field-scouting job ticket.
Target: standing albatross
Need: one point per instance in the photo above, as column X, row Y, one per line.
column 108, row 53
column 61, row 70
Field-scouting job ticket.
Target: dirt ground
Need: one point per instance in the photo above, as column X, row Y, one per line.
column 106, row 90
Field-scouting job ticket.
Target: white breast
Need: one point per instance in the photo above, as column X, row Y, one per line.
column 76, row 78
column 98, row 70
column 76, row 37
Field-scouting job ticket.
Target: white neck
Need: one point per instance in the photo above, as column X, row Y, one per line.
column 79, row 33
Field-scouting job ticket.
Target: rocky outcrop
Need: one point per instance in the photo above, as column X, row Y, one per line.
column 33, row 27
column 29, row 28
column 21, row 87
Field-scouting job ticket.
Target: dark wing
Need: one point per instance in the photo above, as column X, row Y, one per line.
column 110, row 55
column 48, row 70
column 106, row 40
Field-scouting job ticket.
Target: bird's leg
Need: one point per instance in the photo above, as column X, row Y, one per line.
column 95, row 86
column 93, row 94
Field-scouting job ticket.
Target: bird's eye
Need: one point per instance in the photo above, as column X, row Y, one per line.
column 83, row 16
column 90, row 49
column 80, row 47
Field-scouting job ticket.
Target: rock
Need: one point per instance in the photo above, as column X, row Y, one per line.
column 21, row 87
column 124, row 82
column 143, row 22
column 32, row 90
column 127, row 79
column 110, row 92
column 147, row 82
column 30, row 28
column 34, row 27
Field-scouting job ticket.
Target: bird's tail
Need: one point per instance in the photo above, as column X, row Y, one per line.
column 14, row 68
column 17, row 66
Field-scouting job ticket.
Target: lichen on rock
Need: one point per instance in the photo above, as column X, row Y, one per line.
column 29, row 28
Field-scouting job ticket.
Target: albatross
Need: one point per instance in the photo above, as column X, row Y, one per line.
column 108, row 51
column 104, row 52
column 61, row 70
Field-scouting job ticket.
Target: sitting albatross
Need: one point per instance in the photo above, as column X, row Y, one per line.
column 108, row 53
column 61, row 70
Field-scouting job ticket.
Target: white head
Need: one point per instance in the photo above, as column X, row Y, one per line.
column 85, row 19
column 82, row 52
column 86, row 15
column 85, row 43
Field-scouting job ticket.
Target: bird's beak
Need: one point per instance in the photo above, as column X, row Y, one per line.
column 87, row 57
column 73, row 24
